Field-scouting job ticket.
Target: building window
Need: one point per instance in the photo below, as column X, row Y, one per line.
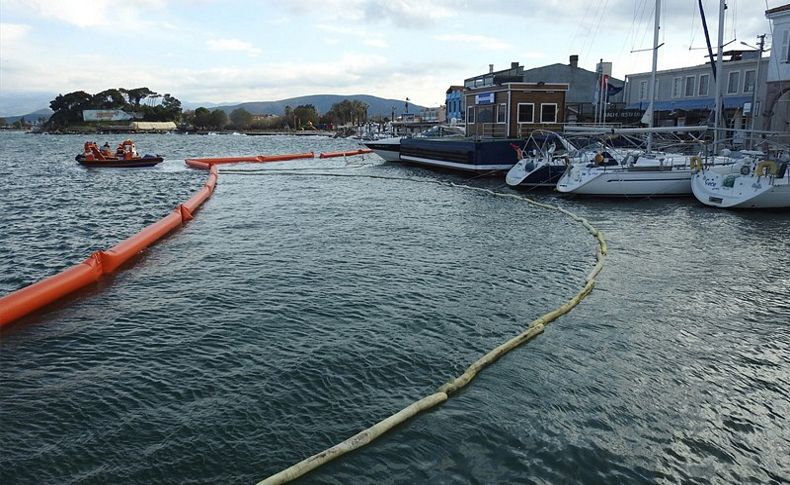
column 748, row 81
column 704, row 83
column 784, row 54
column 548, row 113
column 733, row 82
column 470, row 115
column 501, row 114
column 689, row 91
column 642, row 90
column 526, row 112
column 677, row 87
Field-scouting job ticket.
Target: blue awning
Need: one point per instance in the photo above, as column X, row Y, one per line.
column 689, row 104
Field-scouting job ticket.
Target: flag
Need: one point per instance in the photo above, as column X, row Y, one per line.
column 611, row 90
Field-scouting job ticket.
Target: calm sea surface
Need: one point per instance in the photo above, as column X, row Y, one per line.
column 296, row 310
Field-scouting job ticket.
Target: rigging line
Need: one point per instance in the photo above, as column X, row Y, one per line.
column 580, row 25
column 597, row 27
column 693, row 22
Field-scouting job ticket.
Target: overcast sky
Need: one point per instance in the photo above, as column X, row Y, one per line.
column 244, row 50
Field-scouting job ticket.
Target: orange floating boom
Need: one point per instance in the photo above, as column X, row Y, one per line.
column 33, row 297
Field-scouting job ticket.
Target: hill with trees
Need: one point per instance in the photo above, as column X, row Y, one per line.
column 144, row 103
column 377, row 107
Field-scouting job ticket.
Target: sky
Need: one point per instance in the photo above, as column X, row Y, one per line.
column 229, row 51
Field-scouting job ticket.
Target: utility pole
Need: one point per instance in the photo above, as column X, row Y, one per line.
column 761, row 45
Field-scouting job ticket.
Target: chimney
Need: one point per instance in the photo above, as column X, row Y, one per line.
column 574, row 60
column 490, row 68
column 514, row 65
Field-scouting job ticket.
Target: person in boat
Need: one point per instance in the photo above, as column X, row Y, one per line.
column 105, row 149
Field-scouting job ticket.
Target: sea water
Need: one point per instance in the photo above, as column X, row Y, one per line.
column 297, row 309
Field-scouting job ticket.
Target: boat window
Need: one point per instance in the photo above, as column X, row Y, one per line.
column 470, row 115
column 501, row 114
column 485, row 114
column 548, row 113
column 526, row 112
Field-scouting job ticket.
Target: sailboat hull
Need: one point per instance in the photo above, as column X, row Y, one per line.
column 732, row 190
column 626, row 183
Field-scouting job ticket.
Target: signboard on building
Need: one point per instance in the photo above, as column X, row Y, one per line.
column 484, row 98
column 105, row 115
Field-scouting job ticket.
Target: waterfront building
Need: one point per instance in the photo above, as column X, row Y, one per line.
column 586, row 90
column 686, row 95
column 514, row 109
column 776, row 113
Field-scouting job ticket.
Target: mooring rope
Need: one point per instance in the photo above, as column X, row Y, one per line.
column 535, row 328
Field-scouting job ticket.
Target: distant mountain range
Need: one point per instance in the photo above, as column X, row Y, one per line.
column 323, row 103
column 34, row 105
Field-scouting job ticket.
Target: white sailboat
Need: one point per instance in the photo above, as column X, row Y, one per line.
column 751, row 183
column 638, row 174
column 747, row 184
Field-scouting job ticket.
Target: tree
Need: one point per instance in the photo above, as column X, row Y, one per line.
column 202, row 117
column 304, row 114
column 241, row 118
column 138, row 94
column 108, row 99
column 218, row 119
column 68, row 108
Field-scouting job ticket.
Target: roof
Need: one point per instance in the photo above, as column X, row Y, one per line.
column 782, row 8
column 153, row 125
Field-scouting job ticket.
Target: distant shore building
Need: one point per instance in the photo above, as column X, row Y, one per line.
column 454, row 103
column 686, row 96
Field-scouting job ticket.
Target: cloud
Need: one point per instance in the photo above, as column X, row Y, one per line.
column 101, row 14
column 377, row 43
column 11, row 34
column 236, row 45
column 482, row 41
column 407, row 14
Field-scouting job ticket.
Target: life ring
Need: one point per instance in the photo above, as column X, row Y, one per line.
column 598, row 159
column 695, row 163
column 766, row 164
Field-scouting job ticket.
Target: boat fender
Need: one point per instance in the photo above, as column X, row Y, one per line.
column 745, row 170
column 518, row 150
column 766, row 167
column 695, row 163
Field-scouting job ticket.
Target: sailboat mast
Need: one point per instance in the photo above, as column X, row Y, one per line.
column 652, row 87
column 718, row 107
